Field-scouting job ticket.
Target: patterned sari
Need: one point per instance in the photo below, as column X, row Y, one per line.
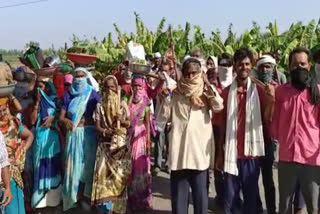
column 113, row 163
column 11, row 128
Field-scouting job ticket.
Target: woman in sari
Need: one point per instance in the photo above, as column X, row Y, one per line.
column 113, row 160
column 81, row 143
column 18, row 141
column 140, row 194
column 46, row 149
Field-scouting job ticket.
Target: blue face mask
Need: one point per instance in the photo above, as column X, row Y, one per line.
column 79, row 84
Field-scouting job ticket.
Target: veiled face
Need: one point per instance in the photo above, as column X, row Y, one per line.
column 210, row 64
column 111, row 85
column 3, row 111
column 192, row 70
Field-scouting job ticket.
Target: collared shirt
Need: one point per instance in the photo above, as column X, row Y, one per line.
column 296, row 125
column 221, row 118
column 4, row 161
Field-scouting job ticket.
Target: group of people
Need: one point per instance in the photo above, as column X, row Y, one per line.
column 68, row 140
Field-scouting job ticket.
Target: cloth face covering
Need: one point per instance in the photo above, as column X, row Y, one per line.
column 79, row 85
column 299, row 78
column 225, row 75
column 266, row 75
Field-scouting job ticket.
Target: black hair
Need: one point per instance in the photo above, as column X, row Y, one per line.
column 243, row 53
column 227, row 57
column 299, row 50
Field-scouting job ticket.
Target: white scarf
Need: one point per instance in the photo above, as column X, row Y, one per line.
column 254, row 141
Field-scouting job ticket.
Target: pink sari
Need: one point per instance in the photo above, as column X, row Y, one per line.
column 140, row 182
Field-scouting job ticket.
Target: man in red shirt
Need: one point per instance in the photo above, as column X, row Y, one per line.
column 296, row 126
column 242, row 135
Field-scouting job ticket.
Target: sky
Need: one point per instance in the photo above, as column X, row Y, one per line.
column 55, row 21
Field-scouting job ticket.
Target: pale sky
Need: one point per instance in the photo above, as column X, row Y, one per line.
column 55, row 21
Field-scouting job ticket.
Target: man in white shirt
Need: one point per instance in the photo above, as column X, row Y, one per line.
column 191, row 144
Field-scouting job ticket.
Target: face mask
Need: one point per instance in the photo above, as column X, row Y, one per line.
column 225, row 71
column 138, row 95
column 79, row 84
column 225, row 76
column 111, row 92
column 299, row 78
column 265, row 76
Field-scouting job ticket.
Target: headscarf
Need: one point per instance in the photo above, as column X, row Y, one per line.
column 4, row 101
column 110, row 102
column 266, row 59
column 81, row 91
column 142, row 93
column 214, row 59
column 192, row 88
column 90, row 80
column 139, row 103
column 68, row 78
column 79, row 85
column 9, row 126
column 47, row 105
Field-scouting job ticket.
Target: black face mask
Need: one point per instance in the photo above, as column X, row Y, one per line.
column 300, row 78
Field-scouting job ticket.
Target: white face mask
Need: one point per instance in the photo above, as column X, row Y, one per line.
column 225, row 75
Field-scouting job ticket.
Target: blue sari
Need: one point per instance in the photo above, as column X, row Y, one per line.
column 80, row 152
column 46, row 158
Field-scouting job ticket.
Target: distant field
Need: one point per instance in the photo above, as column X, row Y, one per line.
column 13, row 60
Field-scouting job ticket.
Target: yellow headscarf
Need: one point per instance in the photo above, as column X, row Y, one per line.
column 4, row 101
column 110, row 102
